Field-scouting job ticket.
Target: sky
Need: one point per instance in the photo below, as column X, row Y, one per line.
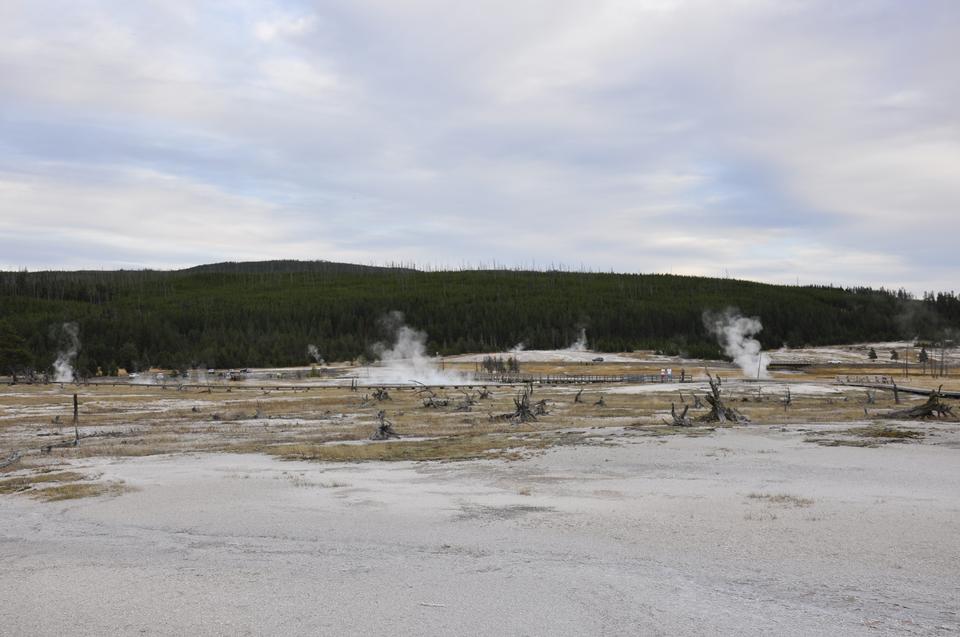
column 777, row 140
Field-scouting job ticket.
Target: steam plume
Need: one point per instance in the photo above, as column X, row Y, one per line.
column 735, row 334
column 580, row 345
column 314, row 353
column 67, row 354
column 406, row 359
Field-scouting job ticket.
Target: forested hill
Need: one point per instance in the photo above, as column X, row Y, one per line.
column 289, row 265
column 265, row 314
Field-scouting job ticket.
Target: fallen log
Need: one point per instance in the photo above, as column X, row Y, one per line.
column 934, row 407
column 12, row 459
column 540, row 409
column 60, row 445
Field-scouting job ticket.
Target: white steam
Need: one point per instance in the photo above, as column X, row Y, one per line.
column 580, row 345
column 735, row 334
column 406, row 360
column 314, row 353
column 516, row 349
column 69, row 346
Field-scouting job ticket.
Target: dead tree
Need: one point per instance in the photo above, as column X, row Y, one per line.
column 76, row 431
column 522, row 412
column 933, row 408
column 384, row 429
column 697, row 402
column 871, row 397
column 719, row 412
column 540, row 408
column 787, row 400
column 682, row 420
column 354, row 385
column 483, row 393
column 601, row 402
column 429, row 397
column 12, row 459
column 432, row 401
column 466, row 404
column 381, row 394
column 76, row 421
column 579, row 397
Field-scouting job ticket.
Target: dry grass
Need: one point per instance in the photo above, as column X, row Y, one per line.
column 52, row 485
column 870, row 437
column 890, row 434
column 671, row 430
column 447, row 448
column 782, row 499
column 27, row 482
column 149, row 420
column 73, row 491
column 842, row 442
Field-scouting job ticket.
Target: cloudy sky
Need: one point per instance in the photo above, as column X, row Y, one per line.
column 781, row 140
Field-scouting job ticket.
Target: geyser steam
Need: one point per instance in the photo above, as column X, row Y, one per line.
column 580, row 345
column 735, row 334
column 67, row 354
column 314, row 353
column 406, row 359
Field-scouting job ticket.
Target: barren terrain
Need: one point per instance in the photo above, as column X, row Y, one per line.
column 250, row 509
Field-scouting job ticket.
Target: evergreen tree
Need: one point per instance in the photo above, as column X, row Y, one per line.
column 14, row 355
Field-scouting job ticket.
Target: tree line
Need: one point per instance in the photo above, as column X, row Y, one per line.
column 266, row 314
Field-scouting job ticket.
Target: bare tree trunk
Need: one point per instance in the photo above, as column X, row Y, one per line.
column 681, row 420
column 76, row 421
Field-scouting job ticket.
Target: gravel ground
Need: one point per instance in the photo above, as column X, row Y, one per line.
column 747, row 531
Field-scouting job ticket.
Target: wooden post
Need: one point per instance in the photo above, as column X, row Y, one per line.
column 76, row 420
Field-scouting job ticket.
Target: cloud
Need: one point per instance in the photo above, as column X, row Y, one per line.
column 774, row 140
column 284, row 27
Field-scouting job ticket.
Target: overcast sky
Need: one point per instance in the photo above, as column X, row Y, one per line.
column 775, row 140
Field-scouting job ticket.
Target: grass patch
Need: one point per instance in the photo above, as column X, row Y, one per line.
column 870, row 437
column 839, row 442
column 75, row 490
column 782, row 498
column 298, row 480
column 449, row 448
column 888, row 433
column 657, row 429
column 25, row 483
